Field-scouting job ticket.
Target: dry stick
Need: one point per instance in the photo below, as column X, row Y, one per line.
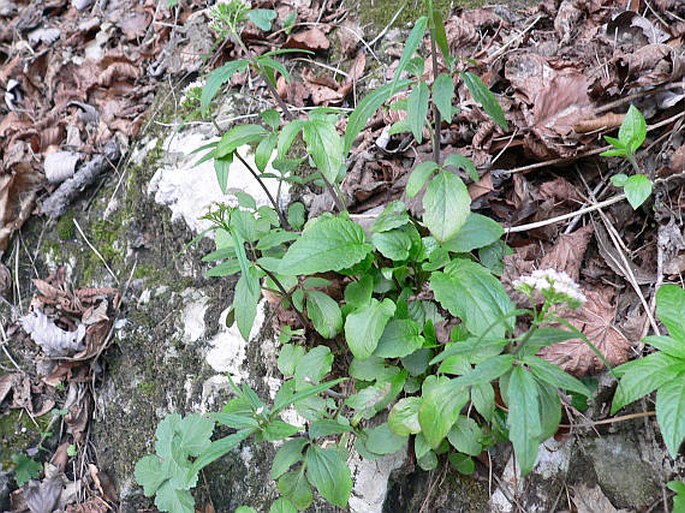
column 387, row 27
column 514, row 39
column 570, row 215
column 613, row 420
column 636, row 96
column 281, row 217
column 561, row 160
column 78, row 227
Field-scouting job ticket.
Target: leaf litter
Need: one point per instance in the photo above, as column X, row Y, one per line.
column 83, row 80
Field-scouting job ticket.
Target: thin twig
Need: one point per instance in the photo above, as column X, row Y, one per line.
column 570, row 215
column 94, row 249
column 387, row 27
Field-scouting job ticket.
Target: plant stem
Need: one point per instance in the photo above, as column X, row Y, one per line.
column 281, row 217
column 285, row 293
column 336, row 198
column 436, row 112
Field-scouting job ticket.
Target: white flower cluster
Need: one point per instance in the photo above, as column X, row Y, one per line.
column 551, row 283
column 192, row 90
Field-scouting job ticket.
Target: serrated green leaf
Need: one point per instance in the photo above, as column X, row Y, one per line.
column 216, row 79
column 394, row 245
column 148, row 473
column 400, row 338
column 328, row 472
column 468, row 291
column 418, row 178
column 295, row 487
column 447, row 205
column 417, row 109
column 324, row 313
column 403, row 419
column 364, row 327
column 461, row 162
column 325, row 146
column 195, row 432
column 440, row 407
column 643, row 376
column 670, row 414
column 329, row 244
column 26, row 468
column 637, row 189
column 366, row 108
column 633, row 130
column 262, row 18
column 478, row 232
column 465, row 436
column 524, row 418
column 237, row 137
column 287, row 455
column 484, row 96
column 553, row 375
column 670, row 309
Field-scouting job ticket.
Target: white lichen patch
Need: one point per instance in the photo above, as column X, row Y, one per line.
column 189, row 190
column 194, row 315
column 371, row 481
column 228, row 347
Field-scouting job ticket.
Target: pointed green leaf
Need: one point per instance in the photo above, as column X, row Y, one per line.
column 216, row 79
column 314, row 365
column 324, row 313
column 443, row 93
column 295, row 487
column 222, row 166
column 468, row 291
column 478, row 232
column 447, row 205
column 553, row 375
column 417, row 109
column 465, row 436
column 325, row 146
column 413, row 41
column 403, row 419
column 328, row 244
column 637, row 188
column 329, row 473
column 670, row 309
column 524, row 418
column 670, row 414
column 237, row 137
column 264, row 151
column 400, row 338
column 262, row 18
column 484, row 96
column 442, row 401
column 461, row 162
column 633, row 130
column 418, row 178
column 364, row 327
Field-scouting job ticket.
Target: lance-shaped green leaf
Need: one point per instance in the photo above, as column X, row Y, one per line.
column 447, row 205
column 670, row 414
column 670, row 309
column 238, row 136
column 524, row 418
column 412, row 44
column 325, row 146
column 216, row 79
column 443, row 93
column 364, row 327
column 484, row 96
column 633, row 129
column 443, row 399
column 324, row 313
column 366, row 108
column 327, row 244
column 417, row 108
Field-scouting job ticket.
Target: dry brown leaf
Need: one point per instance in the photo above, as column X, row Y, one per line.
column 596, row 320
column 568, row 252
column 357, row 68
column 313, row 39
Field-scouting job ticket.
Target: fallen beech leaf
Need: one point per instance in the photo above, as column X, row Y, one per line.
column 568, row 252
column 313, row 39
column 42, row 497
column 60, row 165
column 596, row 320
